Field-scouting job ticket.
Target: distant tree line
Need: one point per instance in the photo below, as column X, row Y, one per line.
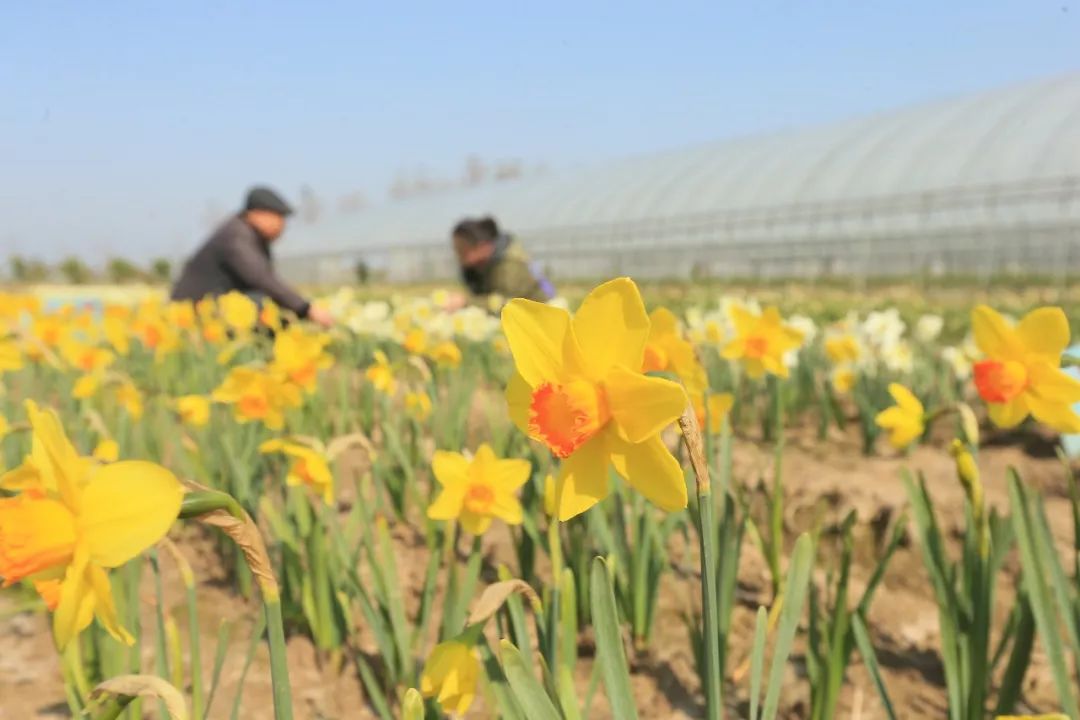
column 75, row 271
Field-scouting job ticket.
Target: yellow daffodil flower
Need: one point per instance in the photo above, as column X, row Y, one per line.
column 214, row 332
column 270, row 314
column 194, row 410
column 446, row 354
column 451, row 675
column 381, row 375
column 842, row 379
column 309, row 467
column 257, row 396
column 86, row 387
column 843, row 349
column 418, row 406
column 156, row 334
column 85, row 357
column 299, row 355
column 181, row 315
column 128, row 397
column 415, row 342
column 73, row 519
column 1021, row 373
column 761, row 341
column 117, row 331
column 11, row 356
column 238, row 311
column 579, row 390
column 905, row 419
column 107, row 451
column 476, row 491
column 667, row 350
column 720, row 405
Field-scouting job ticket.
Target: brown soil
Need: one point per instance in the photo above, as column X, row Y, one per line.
column 823, row 481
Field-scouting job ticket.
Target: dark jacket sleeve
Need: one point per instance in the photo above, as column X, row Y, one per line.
column 248, row 263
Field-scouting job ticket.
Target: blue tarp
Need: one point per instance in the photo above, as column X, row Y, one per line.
column 1071, row 443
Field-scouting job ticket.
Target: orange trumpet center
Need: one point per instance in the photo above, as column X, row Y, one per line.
column 36, row 534
column 304, row 375
column 757, row 346
column 254, row 406
column 1000, row 381
column 655, row 359
column 564, row 417
column 479, row 499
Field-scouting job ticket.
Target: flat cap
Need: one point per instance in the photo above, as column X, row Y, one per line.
column 263, row 198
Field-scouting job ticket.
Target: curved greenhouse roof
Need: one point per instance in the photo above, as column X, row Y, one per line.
column 1002, row 157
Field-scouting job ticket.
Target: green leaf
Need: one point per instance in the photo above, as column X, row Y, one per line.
column 528, row 691
column 795, row 588
column 257, row 633
column 866, row 649
column 1034, row 579
column 567, row 656
column 1023, row 641
column 224, row 631
column 609, row 647
column 757, row 659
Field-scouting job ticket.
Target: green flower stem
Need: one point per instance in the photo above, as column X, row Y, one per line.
column 555, row 550
column 710, row 603
column 207, row 501
column 202, row 502
column 114, row 707
column 279, row 667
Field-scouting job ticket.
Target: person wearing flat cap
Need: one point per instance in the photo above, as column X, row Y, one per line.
column 237, row 257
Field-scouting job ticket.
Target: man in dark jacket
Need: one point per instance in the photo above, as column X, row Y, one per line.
column 495, row 264
column 237, row 257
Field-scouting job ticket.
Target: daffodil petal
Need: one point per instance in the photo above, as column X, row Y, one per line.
column 663, row 322
column 75, row 609
column 54, row 454
column 539, row 338
column 518, row 399
column 992, row 334
column 127, row 507
column 447, row 504
column 451, row 469
column 272, row 445
column 508, row 475
column 1051, row 383
column 1010, row 414
column 905, row 399
column 641, row 405
column 583, row 481
column 105, row 605
column 507, row 508
column 611, row 327
column 24, row 477
column 651, row 470
column 1044, row 331
column 1056, row 415
column 890, row 418
column 473, row 523
column 742, row 319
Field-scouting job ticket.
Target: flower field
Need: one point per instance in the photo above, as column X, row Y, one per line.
column 655, row 502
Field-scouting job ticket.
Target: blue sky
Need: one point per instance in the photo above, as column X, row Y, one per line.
column 123, row 124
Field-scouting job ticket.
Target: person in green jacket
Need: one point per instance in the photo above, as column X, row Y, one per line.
column 495, row 264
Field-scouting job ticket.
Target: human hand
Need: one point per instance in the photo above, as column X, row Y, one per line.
column 455, row 301
column 321, row 316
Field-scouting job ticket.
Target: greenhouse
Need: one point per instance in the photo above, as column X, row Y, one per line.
column 986, row 183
